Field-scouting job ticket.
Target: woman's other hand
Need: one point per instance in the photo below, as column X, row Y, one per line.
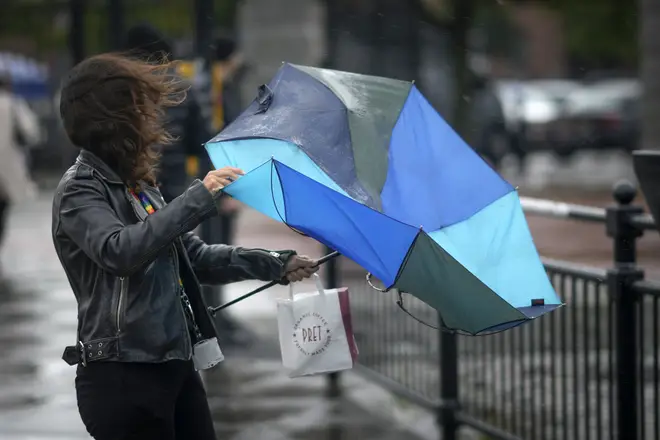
column 217, row 179
column 300, row 267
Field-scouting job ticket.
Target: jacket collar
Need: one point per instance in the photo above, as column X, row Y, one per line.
column 93, row 161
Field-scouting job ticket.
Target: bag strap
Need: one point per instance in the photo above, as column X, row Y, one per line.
column 291, row 291
column 317, row 281
column 319, row 284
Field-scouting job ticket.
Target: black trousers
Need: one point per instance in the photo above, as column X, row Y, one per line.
column 126, row 401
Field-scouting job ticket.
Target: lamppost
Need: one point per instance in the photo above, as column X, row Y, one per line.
column 116, row 24
column 77, row 30
column 204, row 29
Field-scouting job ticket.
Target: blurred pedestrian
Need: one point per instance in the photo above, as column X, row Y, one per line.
column 184, row 122
column 226, row 74
column 132, row 262
column 227, row 69
column 19, row 129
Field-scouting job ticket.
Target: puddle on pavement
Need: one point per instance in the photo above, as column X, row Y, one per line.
column 9, row 339
column 18, row 370
column 251, row 397
column 14, row 403
column 241, row 413
column 344, row 432
column 298, row 392
column 14, row 315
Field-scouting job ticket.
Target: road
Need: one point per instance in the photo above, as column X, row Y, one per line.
column 587, row 178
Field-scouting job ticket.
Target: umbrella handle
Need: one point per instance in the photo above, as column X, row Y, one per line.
column 214, row 310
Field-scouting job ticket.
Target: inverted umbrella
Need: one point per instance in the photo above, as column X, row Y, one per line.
column 366, row 166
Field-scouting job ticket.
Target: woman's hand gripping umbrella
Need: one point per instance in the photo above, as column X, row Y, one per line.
column 297, row 269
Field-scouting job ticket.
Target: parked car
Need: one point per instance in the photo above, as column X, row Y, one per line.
column 517, row 117
column 602, row 115
column 559, row 115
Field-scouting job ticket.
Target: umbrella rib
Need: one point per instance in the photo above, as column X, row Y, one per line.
column 357, row 228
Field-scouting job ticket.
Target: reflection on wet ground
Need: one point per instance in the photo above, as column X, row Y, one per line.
column 250, row 395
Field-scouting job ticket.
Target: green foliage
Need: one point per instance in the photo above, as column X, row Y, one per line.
column 502, row 37
column 43, row 22
column 600, row 29
column 38, row 23
column 499, row 35
column 596, row 31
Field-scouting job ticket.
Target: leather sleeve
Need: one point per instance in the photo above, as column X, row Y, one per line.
column 221, row 264
column 87, row 218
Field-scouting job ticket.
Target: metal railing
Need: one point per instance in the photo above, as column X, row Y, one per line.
column 590, row 370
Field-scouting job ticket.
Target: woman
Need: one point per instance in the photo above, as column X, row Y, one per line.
column 132, row 261
column 19, row 129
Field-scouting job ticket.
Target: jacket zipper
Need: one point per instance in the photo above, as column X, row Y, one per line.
column 141, row 217
column 120, row 302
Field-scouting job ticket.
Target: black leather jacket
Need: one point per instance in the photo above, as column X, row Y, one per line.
column 124, row 265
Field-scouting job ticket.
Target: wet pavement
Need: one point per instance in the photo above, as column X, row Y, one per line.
column 250, row 395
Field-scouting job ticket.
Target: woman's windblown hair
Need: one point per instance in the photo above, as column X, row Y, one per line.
column 113, row 106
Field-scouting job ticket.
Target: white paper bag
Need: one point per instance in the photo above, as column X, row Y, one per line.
column 316, row 334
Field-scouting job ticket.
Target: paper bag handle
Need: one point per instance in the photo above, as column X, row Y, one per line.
column 317, row 281
column 319, row 284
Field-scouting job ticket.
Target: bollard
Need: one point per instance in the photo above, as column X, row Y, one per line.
column 619, row 282
column 446, row 416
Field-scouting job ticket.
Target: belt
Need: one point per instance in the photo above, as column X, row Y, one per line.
column 90, row 351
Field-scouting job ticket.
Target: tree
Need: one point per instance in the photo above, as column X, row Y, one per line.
column 456, row 16
column 600, row 33
column 650, row 72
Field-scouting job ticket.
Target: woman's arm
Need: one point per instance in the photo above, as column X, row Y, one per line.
column 222, row 264
column 85, row 215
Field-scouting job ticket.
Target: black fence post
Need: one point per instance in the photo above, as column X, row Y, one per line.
column 204, row 23
column 332, row 281
column 77, row 30
column 204, row 11
column 619, row 281
column 116, row 24
column 210, row 230
column 448, row 384
column 331, row 27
